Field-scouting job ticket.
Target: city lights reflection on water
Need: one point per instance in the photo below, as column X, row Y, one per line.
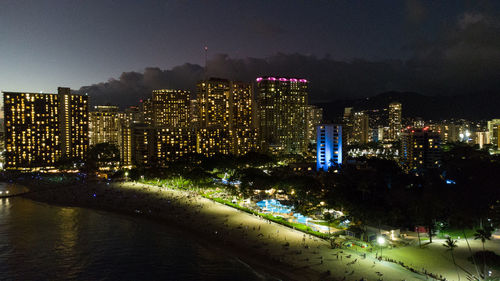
column 44, row 242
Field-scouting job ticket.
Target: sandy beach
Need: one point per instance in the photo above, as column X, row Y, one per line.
column 281, row 251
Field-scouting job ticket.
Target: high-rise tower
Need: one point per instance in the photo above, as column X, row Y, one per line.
column 74, row 123
column 226, row 117
column 104, row 125
column 170, row 108
column 420, row 149
column 395, row 120
column 283, row 114
column 41, row 128
column 329, row 146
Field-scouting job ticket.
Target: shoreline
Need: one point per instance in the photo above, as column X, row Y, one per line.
column 259, row 268
column 265, row 246
column 262, row 265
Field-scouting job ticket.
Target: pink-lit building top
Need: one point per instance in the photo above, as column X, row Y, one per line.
column 281, row 79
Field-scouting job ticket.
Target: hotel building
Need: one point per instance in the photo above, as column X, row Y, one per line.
column 329, row 146
column 395, row 121
column 494, row 129
column 226, row 117
column 420, row 149
column 41, row 128
column 314, row 118
column 104, row 125
column 283, row 114
column 170, row 108
column 361, row 128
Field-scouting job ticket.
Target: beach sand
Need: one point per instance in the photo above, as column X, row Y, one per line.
column 278, row 250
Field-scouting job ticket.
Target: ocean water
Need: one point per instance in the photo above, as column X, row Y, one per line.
column 45, row 242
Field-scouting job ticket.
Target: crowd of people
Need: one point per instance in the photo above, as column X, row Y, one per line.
column 287, row 250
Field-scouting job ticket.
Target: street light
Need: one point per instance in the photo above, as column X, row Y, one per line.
column 381, row 241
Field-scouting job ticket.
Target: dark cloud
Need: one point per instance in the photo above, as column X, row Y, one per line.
column 415, row 11
column 133, row 86
column 464, row 59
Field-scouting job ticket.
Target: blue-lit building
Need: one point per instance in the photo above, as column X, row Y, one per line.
column 329, row 146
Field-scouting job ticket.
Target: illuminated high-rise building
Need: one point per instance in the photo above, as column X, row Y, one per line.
column 213, row 102
column 135, row 114
column 143, row 140
column 74, row 123
column 32, row 136
column 283, row 114
column 243, row 130
column 329, row 146
column 226, row 117
column 213, row 97
column 104, row 125
column 395, row 121
column 361, row 133
column 420, row 149
column 165, row 132
column 194, row 112
column 314, row 118
column 126, row 121
column 493, row 129
column 41, row 128
column 348, row 125
column 173, row 143
column 449, row 132
column 482, row 139
column 146, row 112
column 170, row 108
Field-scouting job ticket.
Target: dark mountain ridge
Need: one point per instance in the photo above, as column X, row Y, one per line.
column 480, row 106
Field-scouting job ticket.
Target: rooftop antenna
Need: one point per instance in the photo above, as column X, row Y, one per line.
column 206, row 59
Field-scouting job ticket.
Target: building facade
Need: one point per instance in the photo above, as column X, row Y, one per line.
column 74, row 123
column 329, row 146
column 243, row 125
column 42, row 128
column 420, row 149
column 126, row 121
column 314, row 118
column 448, row 132
column 493, row 129
column 104, row 125
column 283, row 114
column 226, row 119
column 361, row 128
column 170, row 108
column 213, row 97
column 395, row 121
column 174, row 143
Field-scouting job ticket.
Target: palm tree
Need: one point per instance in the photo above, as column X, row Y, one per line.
column 483, row 235
column 330, row 218
column 470, row 251
column 451, row 244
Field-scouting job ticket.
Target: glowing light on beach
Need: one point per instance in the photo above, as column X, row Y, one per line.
column 381, row 240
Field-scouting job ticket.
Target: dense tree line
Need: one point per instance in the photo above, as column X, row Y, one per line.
column 463, row 193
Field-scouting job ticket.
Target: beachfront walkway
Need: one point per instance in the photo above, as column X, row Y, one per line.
column 280, row 243
column 253, row 239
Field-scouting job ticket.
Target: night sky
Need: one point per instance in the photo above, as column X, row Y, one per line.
column 385, row 45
